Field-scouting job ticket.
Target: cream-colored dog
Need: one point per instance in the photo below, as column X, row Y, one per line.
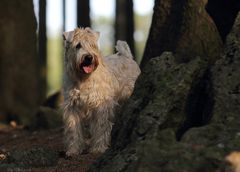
column 94, row 86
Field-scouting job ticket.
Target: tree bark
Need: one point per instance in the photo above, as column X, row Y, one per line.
column 83, row 13
column 124, row 22
column 19, row 72
column 183, row 27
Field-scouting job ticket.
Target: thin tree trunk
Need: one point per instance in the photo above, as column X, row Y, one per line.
column 64, row 14
column 83, row 13
column 124, row 22
column 42, row 46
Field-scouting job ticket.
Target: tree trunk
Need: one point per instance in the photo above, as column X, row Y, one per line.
column 19, row 74
column 124, row 23
column 64, row 15
column 83, row 13
column 224, row 13
column 168, row 94
column 183, row 27
column 42, row 47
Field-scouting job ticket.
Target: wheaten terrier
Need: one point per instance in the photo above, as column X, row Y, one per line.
column 94, row 87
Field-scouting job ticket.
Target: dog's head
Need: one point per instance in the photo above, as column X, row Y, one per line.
column 82, row 54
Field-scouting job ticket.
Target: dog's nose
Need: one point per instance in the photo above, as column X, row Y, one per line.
column 88, row 59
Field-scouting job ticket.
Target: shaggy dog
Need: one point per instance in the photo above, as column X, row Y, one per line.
column 94, row 87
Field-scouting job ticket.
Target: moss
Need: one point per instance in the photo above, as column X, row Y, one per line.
column 34, row 157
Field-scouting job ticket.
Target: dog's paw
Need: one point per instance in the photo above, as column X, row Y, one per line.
column 72, row 153
column 98, row 149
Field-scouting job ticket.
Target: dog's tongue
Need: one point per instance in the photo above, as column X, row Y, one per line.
column 87, row 69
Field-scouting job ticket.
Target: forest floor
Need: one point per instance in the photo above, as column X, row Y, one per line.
column 12, row 139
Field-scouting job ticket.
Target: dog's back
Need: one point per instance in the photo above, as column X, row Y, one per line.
column 124, row 68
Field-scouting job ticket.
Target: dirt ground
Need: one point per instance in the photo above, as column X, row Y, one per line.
column 16, row 139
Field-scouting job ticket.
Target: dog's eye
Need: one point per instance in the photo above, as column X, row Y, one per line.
column 78, row 46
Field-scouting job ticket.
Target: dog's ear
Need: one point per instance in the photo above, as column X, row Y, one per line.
column 68, row 36
column 96, row 33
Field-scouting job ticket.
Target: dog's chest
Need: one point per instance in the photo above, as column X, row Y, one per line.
column 91, row 94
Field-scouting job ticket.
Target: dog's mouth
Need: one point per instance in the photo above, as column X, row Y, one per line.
column 88, row 64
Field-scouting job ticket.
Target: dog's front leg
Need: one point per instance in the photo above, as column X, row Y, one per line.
column 73, row 133
column 101, row 130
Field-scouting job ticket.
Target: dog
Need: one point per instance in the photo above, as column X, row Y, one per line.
column 94, row 88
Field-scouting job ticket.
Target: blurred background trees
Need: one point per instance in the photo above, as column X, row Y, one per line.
column 114, row 19
column 20, row 80
column 42, row 47
column 124, row 22
column 32, row 48
column 83, row 13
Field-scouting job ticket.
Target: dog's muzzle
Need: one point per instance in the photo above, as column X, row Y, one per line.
column 88, row 64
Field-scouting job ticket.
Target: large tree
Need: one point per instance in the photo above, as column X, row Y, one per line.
column 19, row 71
column 124, row 22
column 183, row 27
column 175, row 92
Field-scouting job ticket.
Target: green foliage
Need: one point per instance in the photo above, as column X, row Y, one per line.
column 142, row 26
column 54, row 64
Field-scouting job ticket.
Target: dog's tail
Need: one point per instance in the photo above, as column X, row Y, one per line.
column 123, row 48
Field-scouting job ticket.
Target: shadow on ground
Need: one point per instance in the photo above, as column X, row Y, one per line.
column 42, row 150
